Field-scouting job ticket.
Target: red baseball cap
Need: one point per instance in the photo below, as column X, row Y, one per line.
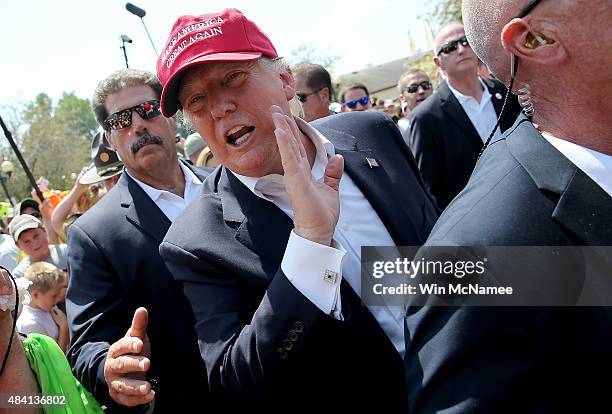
column 227, row 36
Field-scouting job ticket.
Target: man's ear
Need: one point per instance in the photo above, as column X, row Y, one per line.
column 109, row 138
column 288, row 83
column 324, row 93
column 532, row 43
column 437, row 62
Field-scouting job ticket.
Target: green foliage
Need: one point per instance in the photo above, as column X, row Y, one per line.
column 311, row 53
column 55, row 141
column 441, row 12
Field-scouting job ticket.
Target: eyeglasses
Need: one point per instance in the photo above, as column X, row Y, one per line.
column 413, row 88
column 528, row 8
column 450, row 47
column 303, row 97
column 123, row 119
column 353, row 104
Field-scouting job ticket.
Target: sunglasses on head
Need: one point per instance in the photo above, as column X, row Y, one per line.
column 123, row 119
column 303, row 97
column 450, row 47
column 353, row 104
column 413, row 88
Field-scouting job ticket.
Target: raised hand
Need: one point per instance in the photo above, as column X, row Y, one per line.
column 127, row 362
column 316, row 205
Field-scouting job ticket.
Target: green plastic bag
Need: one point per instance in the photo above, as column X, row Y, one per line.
column 55, row 377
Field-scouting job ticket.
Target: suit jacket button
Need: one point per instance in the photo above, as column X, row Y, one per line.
column 288, row 345
column 292, row 336
column 298, row 327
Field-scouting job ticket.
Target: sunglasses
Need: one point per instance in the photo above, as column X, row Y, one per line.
column 413, row 88
column 123, row 119
column 450, row 47
column 303, row 97
column 353, row 104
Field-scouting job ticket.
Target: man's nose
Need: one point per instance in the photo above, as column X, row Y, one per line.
column 221, row 106
column 138, row 123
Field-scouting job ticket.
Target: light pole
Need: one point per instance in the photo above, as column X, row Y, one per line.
column 141, row 13
column 125, row 39
column 7, row 170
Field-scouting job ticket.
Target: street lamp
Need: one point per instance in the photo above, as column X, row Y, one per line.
column 7, row 170
column 137, row 11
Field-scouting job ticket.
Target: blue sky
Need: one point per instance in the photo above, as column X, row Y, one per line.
column 68, row 45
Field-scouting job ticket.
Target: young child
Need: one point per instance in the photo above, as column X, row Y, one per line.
column 41, row 315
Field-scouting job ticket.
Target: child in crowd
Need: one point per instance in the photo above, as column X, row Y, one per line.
column 41, row 315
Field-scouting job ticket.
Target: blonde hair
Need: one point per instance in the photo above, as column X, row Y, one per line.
column 44, row 276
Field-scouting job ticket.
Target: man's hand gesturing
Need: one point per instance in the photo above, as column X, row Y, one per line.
column 316, row 205
column 127, row 362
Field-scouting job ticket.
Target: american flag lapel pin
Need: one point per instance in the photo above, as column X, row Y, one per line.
column 372, row 162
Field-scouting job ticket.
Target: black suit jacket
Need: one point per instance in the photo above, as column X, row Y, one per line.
column 263, row 342
column 445, row 143
column 115, row 267
column 482, row 360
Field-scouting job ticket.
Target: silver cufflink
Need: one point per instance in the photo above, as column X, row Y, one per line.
column 330, row 276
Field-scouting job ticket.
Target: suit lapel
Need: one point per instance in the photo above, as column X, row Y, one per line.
column 497, row 95
column 453, row 109
column 141, row 211
column 260, row 226
column 583, row 207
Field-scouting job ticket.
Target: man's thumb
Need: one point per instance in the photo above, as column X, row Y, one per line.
column 139, row 324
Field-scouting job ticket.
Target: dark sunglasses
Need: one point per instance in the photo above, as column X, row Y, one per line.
column 123, row 119
column 353, row 104
column 413, row 88
column 450, row 47
column 303, row 97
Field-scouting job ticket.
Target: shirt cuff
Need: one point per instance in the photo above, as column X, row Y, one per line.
column 316, row 271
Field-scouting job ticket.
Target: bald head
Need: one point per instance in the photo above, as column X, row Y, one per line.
column 444, row 32
column 484, row 21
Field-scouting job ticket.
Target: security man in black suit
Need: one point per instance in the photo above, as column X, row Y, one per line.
column 129, row 319
column 546, row 183
column 448, row 129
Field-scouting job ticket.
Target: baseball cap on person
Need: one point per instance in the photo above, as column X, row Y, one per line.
column 227, row 36
column 22, row 223
column 193, row 143
column 28, row 202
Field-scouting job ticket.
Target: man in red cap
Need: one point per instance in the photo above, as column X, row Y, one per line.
column 269, row 254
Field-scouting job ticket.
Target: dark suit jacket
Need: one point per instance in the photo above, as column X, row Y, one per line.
column 265, row 343
column 487, row 360
column 115, row 267
column 445, row 143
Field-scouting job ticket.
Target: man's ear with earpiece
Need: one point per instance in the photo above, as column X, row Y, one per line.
column 529, row 44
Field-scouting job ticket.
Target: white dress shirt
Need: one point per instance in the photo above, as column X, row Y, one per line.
column 169, row 203
column 482, row 114
column 306, row 263
column 596, row 165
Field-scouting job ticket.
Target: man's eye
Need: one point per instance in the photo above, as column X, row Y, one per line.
column 233, row 76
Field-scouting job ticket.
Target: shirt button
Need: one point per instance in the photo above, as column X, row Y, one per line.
column 344, row 225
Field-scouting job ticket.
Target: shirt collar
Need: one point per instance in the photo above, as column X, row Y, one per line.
column 486, row 96
column 324, row 150
column 154, row 193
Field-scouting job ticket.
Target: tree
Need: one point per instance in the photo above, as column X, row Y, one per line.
column 55, row 143
column 441, row 12
column 311, row 53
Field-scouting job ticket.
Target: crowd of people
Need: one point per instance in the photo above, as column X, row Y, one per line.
column 222, row 272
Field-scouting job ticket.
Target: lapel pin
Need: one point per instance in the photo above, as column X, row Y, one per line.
column 498, row 95
column 372, row 162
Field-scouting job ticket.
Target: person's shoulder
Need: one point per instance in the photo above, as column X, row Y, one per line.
column 29, row 321
column 429, row 109
column 500, row 205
